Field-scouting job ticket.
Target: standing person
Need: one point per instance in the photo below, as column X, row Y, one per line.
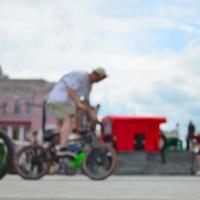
column 190, row 135
column 34, row 139
column 65, row 97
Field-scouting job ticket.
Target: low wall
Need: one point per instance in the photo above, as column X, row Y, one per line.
column 176, row 163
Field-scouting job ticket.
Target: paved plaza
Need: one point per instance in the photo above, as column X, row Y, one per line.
column 114, row 188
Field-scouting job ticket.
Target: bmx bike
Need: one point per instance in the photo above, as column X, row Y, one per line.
column 96, row 159
column 6, row 154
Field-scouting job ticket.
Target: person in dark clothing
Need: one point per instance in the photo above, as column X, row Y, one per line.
column 163, row 146
column 190, row 135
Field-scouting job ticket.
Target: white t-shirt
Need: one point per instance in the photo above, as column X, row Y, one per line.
column 78, row 80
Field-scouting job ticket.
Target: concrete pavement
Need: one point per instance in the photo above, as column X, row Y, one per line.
column 114, row 188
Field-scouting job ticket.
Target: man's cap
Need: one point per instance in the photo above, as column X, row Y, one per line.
column 101, row 72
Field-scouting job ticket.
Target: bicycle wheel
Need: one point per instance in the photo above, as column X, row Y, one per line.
column 6, row 154
column 32, row 162
column 100, row 162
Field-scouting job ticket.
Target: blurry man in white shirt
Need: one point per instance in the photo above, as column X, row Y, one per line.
column 65, row 97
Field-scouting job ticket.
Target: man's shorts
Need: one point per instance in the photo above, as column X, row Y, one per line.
column 62, row 110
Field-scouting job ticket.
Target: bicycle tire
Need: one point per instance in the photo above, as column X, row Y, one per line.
column 8, row 154
column 98, row 152
column 26, row 169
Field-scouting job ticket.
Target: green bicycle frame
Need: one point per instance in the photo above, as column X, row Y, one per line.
column 78, row 160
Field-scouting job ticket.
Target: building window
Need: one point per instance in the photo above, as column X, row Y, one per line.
column 15, row 133
column 3, row 129
column 17, row 108
column 29, row 108
column 27, row 134
column 4, row 108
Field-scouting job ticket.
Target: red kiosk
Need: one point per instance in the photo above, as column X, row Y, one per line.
column 132, row 133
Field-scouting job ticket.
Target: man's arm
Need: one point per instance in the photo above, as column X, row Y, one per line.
column 73, row 95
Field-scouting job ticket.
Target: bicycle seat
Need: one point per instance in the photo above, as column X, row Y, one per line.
column 49, row 134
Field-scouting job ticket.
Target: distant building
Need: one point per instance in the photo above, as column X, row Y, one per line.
column 21, row 103
column 2, row 75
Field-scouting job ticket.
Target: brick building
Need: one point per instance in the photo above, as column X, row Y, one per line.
column 21, row 106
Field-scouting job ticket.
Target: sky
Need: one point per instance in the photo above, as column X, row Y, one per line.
column 150, row 49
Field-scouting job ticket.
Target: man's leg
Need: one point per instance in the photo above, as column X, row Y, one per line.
column 65, row 131
column 75, row 131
